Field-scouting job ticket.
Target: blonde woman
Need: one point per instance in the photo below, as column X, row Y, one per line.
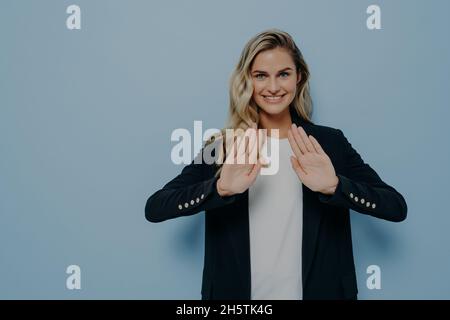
column 285, row 235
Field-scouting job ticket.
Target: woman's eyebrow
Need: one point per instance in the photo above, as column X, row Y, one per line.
column 259, row 71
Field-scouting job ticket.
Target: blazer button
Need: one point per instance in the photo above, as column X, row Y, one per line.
column 362, row 200
column 180, row 206
column 373, row 205
column 197, row 200
column 192, row 202
column 356, row 199
column 186, row 205
column 351, row 195
column 202, row 196
column 367, row 204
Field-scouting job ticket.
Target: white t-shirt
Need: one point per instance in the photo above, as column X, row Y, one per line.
column 276, row 222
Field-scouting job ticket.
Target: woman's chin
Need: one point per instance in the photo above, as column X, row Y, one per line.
column 274, row 109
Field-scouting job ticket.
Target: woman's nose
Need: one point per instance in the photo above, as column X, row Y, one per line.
column 274, row 87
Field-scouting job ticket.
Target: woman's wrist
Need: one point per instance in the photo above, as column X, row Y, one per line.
column 220, row 191
column 332, row 189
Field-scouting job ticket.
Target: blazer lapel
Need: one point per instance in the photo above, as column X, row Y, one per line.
column 311, row 223
column 311, row 217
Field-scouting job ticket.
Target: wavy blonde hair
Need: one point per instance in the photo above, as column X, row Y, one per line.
column 243, row 111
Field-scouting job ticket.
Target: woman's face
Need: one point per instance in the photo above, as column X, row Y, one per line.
column 274, row 79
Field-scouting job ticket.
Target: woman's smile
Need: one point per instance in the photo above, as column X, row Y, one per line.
column 273, row 99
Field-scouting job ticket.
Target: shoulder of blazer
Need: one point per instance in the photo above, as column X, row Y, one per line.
column 325, row 131
column 319, row 131
column 324, row 134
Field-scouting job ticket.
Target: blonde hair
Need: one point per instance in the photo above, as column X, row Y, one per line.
column 243, row 111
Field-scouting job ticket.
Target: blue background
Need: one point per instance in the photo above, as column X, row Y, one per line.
column 86, row 117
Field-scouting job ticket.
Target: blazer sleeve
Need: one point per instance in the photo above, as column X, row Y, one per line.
column 361, row 189
column 190, row 192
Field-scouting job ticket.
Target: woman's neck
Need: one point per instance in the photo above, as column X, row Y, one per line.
column 281, row 122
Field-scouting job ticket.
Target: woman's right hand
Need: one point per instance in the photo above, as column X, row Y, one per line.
column 242, row 166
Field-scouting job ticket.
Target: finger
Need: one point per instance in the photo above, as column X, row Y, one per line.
column 247, row 144
column 228, row 142
column 316, row 145
column 227, row 151
column 230, row 157
column 241, row 149
column 246, row 148
column 235, row 145
column 294, row 145
column 262, row 140
column 298, row 168
column 253, row 141
column 252, row 151
column 262, row 134
column 232, row 150
column 298, row 139
column 305, row 139
column 255, row 171
column 240, row 138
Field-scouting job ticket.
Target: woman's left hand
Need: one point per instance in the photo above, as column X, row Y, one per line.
column 311, row 163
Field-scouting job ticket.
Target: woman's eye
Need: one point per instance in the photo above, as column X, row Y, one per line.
column 284, row 74
column 259, row 76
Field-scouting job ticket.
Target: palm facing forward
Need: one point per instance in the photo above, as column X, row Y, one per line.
column 237, row 175
column 311, row 164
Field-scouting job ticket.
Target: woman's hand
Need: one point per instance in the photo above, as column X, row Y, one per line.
column 311, row 163
column 242, row 165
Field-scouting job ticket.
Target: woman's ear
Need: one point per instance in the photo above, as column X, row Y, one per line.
column 299, row 77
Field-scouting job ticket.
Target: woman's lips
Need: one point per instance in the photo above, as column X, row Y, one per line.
column 273, row 99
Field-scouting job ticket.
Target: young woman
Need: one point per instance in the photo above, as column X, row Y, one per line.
column 285, row 235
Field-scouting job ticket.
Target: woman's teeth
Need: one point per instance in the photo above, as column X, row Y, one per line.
column 273, row 98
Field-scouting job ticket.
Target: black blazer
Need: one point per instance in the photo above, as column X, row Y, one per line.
column 328, row 270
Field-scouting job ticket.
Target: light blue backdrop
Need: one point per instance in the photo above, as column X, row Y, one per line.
column 86, row 117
